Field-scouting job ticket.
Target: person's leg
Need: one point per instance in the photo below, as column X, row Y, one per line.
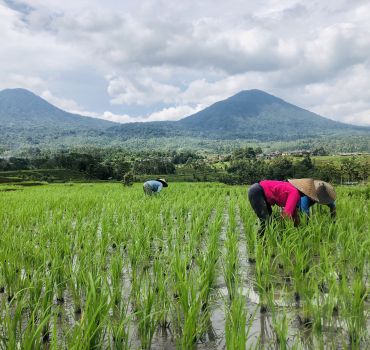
column 262, row 209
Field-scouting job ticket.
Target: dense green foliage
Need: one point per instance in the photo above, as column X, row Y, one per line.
column 106, row 164
column 95, row 266
column 246, row 168
column 242, row 166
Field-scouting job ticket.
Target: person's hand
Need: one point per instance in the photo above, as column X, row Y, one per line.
column 333, row 214
column 296, row 219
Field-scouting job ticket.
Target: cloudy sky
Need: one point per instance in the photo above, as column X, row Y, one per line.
column 163, row 60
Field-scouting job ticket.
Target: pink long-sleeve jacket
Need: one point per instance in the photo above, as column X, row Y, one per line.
column 282, row 194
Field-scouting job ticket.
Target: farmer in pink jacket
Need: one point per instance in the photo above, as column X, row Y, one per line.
column 265, row 194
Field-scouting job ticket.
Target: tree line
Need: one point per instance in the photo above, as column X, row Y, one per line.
column 99, row 164
column 243, row 166
column 246, row 167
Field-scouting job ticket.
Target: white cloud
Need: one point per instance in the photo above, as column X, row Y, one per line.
column 142, row 90
column 361, row 118
column 24, row 51
column 124, row 118
column 172, row 113
column 349, row 103
column 63, row 103
column 171, row 58
column 33, row 83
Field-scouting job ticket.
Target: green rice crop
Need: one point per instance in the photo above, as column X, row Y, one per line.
column 101, row 266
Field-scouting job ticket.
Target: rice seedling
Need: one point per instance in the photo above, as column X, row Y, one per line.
column 36, row 331
column 236, row 331
column 12, row 319
column 208, row 261
column 281, row 325
column 249, row 223
column 116, row 270
column 119, row 329
column 161, row 281
column 263, row 276
column 231, row 258
column 187, row 304
column 145, row 311
column 353, row 309
column 89, row 332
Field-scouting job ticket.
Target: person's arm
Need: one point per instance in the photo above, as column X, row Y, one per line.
column 290, row 209
column 333, row 210
column 160, row 186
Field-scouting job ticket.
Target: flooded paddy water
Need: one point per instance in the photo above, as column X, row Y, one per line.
column 102, row 266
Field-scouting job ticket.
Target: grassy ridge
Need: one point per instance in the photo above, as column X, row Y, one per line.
column 51, row 175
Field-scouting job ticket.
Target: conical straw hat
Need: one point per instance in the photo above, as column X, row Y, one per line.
column 306, row 186
column 325, row 192
column 164, row 182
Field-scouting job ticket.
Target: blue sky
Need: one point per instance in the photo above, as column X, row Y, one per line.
column 163, row 60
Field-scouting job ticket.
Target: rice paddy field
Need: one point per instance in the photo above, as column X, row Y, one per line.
column 101, row 266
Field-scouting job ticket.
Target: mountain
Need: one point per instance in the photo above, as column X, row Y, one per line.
column 248, row 115
column 28, row 120
column 22, row 109
column 253, row 115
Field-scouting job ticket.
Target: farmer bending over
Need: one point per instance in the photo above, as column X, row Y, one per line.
column 325, row 193
column 287, row 195
column 154, row 186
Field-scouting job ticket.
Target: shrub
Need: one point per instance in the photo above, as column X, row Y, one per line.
column 128, row 179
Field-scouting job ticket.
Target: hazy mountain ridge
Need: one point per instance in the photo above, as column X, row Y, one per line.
column 27, row 119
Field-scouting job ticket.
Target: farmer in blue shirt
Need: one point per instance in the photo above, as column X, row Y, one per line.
column 154, row 186
column 323, row 193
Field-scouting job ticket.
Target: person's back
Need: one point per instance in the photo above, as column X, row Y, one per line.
column 154, row 186
column 282, row 194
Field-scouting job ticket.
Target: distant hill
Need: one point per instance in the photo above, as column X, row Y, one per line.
column 20, row 108
column 28, row 120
